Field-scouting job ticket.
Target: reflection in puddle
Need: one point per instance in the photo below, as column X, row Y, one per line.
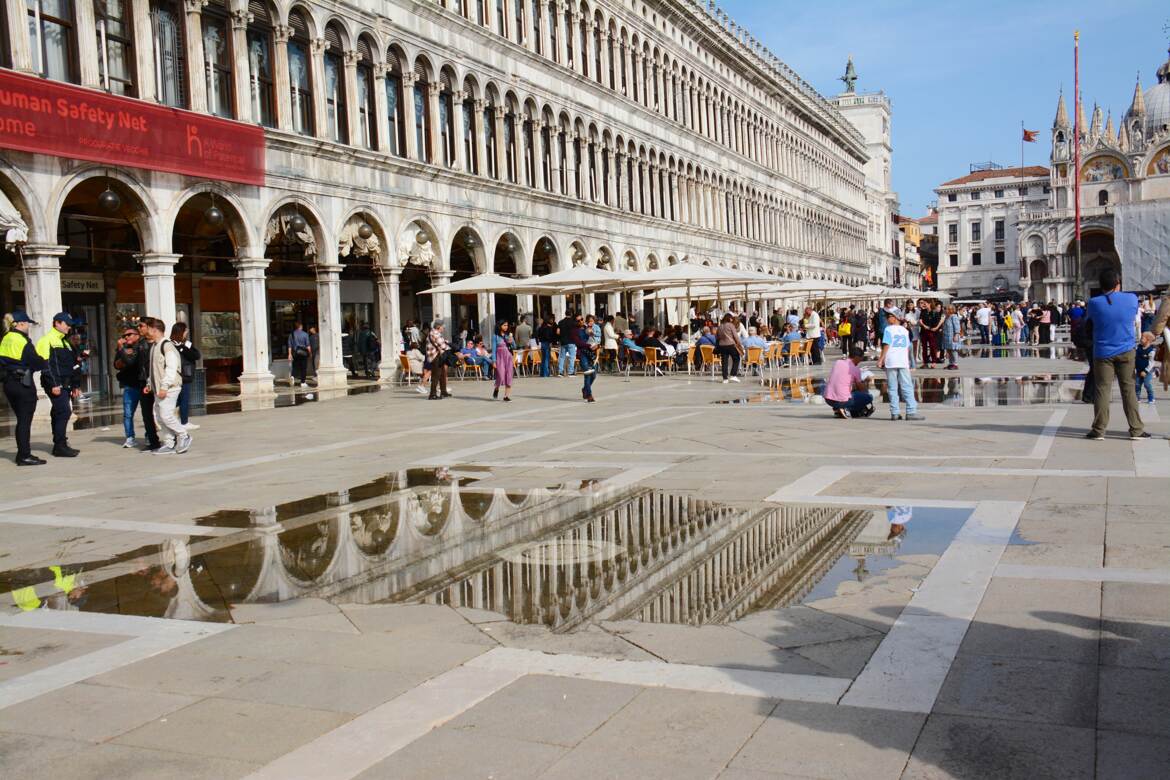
column 556, row 557
column 964, row 391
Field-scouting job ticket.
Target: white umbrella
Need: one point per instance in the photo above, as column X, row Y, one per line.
column 481, row 283
column 582, row 277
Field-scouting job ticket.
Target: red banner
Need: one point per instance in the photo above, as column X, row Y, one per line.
column 48, row 117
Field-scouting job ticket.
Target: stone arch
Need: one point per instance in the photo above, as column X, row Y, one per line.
column 24, row 199
column 351, row 243
column 466, row 248
column 143, row 213
column 236, row 222
column 409, row 250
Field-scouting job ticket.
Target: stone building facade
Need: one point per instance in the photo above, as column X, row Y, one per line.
column 410, row 143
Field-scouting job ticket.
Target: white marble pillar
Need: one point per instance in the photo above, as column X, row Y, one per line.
column 501, row 144
column 317, row 49
column 607, row 66
column 380, row 122
column 558, row 146
column 619, row 179
column 436, row 138
column 538, row 154
column 42, row 285
column 331, row 372
column 241, row 70
column 547, row 20
column 389, row 322
column 636, row 314
column 352, row 116
column 441, row 302
column 256, row 378
column 673, row 179
column 412, row 150
column 280, row 75
column 572, row 19
column 479, row 133
column 21, row 55
column 461, row 162
column 158, row 281
column 587, row 59
column 610, row 192
column 562, row 35
column 193, row 38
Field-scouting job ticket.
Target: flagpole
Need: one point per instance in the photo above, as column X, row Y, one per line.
column 1077, row 282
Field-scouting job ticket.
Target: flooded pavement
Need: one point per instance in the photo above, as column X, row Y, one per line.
column 963, row 391
column 558, row 556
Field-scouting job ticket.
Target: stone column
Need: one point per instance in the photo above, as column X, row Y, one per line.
column 547, row 20
column 461, row 162
column 441, row 302
column 256, row 378
column 437, row 154
column 558, row 146
column 87, row 44
column 412, row 150
column 538, row 154
column 588, row 50
column 380, row 122
column 241, row 70
column 637, row 88
column 317, row 49
column 158, row 280
column 280, row 76
column 637, row 303
column 352, row 117
column 193, row 38
column 42, row 281
column 606, row 58
column 571, row 21
column 479, row 133
column 562, row 36
column 611, row 176
column 501, row 144
column 331, row 372
column 390, row 322
column 619, row 179
column 673, row 179
column 644, row 193
column 583, row 168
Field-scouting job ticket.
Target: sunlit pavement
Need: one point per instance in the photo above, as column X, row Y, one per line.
column 684, row 579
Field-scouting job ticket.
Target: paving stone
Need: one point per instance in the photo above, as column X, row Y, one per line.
column 1013, row 596
column 1131, row 756
column 1045, row 554
column 735, row 773
column 589, row 640
column 1060, row 638
column 24, row 650
column 451, row 753
column 593, row 764
column 1134, row 700
column 824, row 740
column 680, row 726
column 1137, row 491
column 1137, row 556
column 240, row 730
column 845, row 658
column 1070, row 490
column 480, row 615
column 186, row 672
column 93, row 713
column 101, row 762
column 553, row 710
column 953, row 746
column 712, row 646
column 295, row 608
column 319, row 687
column 26, row 755
column 1135, row 601
column 1137, row 645
column 797, row 626
column 1043, row 691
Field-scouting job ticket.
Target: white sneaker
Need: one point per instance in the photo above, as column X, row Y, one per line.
column 183, row 444
column 166, row 449
column 724, row 381
column 191, row 426
column 735, row 379
column 420, row 389
column 129, row 443
column 304, row 384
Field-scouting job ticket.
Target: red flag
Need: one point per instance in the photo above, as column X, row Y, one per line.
column 1030, row 136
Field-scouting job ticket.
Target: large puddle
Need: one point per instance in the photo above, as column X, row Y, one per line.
column 949, row 390
column 557, row 556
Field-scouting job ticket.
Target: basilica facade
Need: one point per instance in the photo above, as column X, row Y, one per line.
column 1125, row 200
column 243, row 164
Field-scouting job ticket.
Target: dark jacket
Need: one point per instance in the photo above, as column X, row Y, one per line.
column 127, row 362
column 567, row 326
column 546, row 333
column 576, row 336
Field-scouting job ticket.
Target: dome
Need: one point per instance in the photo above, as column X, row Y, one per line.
column 1157, row 100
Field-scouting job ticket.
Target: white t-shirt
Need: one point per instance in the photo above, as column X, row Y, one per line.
column 983, row 315
column 812, row 325
column 898, row 355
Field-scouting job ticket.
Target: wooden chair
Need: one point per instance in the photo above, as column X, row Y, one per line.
column 708, row 352
column 654, row 360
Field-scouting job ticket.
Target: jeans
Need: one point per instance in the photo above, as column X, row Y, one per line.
column 130, row 398
column 568, row 355
column 1104, row 369
column 184, row 404
column 545, row 357
column 586, row 364
column 900, row 383
column 856, row 405
column 985, row 334
column 817, row 347
column 1146, row 383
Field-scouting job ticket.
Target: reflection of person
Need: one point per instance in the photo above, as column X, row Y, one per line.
column 899, row 517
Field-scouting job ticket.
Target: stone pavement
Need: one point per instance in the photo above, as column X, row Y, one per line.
column 685, row 579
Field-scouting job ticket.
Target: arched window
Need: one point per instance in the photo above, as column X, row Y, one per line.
column 512, row 159
column 300, row 75
column 1103, row 198
column 217, row 60
column 568, row 16
column 336, row 116
column 395, row 119
column 578, row 161
column 592, row 155
column 52, row 39
column 554, row 49
column 598, row 43
column 537, row 38
column 606, row 195
column 447, row 120
column 501, row 18
column 612, row 67
column 261, row 84
column 367, row 129
column 169, row 53
column 115, row 36
column 422, row 122
column 489, row 138
column 583, row 37
column 529, row 154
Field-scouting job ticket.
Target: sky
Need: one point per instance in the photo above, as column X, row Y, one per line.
column 962, row 75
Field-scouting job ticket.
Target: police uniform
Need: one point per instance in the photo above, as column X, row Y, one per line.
column 18, row 361
column 61, row 366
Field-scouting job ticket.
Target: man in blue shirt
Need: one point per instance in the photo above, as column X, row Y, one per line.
column 1113, row 317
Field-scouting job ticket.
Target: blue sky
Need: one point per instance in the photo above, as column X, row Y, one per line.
column 963, row 75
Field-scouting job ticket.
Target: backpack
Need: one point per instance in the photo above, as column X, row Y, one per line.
column 186, row 367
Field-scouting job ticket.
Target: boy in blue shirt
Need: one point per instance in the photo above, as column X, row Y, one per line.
column 1113, row 316
column 1145, row 371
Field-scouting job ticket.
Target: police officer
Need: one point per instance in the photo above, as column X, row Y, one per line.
column 59, row 380
column 18, row 361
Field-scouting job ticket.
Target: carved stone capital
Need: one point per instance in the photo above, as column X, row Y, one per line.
column 352, row 58
column 282, row 33
column 241, row 20
column 195, row 6
column 319, row 45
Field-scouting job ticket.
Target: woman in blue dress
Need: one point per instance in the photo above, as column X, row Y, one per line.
column 951, row 328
